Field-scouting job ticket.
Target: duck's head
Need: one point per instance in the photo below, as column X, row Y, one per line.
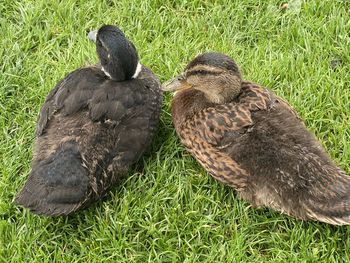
column 214, row 74
column 118, row 56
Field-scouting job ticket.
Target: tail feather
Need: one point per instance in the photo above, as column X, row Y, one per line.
column 330, row 203
column 57, row 185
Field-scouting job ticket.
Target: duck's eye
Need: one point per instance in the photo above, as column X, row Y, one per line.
column 180, row 77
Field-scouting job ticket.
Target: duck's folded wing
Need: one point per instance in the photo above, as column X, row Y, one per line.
column 57, row 185
column 69, row 95
column 135, row 110
column 327, row 198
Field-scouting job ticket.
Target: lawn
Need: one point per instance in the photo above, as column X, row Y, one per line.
column 169, row 209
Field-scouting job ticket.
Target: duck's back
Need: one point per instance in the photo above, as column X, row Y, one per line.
column 90, row 130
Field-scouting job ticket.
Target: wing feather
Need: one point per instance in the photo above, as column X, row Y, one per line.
column 70, row 95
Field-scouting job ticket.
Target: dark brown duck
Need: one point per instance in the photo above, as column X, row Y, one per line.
column 249, row 138
column 93, row 125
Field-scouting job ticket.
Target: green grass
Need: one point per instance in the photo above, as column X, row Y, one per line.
column 169, row 209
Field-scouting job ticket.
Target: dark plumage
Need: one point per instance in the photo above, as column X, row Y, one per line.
column 249, row 138
column 93, row 125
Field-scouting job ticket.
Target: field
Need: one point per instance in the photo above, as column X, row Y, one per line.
column 169, row 209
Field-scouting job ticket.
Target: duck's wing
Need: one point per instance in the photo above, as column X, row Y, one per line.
column 324, row 188
column 58, row 181
column 70, row 95
column 321, row 190
column 57, row 185
column 135, row 110
column 326, row 196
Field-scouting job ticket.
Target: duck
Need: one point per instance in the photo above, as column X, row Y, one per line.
column 94, row 124
column 250, row 139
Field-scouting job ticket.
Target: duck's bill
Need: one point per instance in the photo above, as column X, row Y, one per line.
column 176, row 84
column 92, row 35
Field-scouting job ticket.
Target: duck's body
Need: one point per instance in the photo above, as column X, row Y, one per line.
column 256, row 143
column 90, row 130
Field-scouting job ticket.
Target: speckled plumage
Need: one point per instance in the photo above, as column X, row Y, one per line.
column 256, row 143
column 90, row 130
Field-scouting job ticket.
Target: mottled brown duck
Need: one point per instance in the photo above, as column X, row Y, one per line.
column 93, row 126
column 250, row 139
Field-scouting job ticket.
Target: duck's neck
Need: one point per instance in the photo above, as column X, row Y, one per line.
column 185, row 104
